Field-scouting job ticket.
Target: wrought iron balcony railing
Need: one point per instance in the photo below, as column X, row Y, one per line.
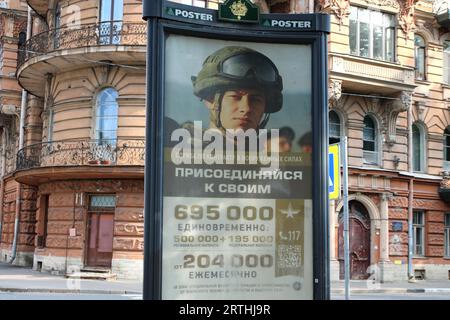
column 122, row 152
column 70, row 37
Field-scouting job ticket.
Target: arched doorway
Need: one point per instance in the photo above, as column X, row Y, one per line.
column 359, row 223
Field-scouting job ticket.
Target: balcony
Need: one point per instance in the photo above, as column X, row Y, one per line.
column 40, row 6
column 67, row 48
column 370, row 76
column 441, row 9
column 67, row 159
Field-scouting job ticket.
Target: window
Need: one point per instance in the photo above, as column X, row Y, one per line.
column 102, row 202
column 447, row 62
column 335, row 127
column 419, row 54
column 372, row 34
column 43, row 222
column 370, row 153
column 213, row 4
column 107, row 116
column 418, row 148
column 447, row 235
column 418, row 233
column 447, row 149
column 57, row 25
column 111, row 15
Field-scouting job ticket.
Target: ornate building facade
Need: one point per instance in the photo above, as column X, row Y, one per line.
column 80, row 169
column 388, row 63
column 72, row 188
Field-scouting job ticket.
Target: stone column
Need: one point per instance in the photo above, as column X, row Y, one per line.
column 384, row 226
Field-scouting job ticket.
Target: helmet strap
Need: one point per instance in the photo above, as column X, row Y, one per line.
column 264, row 122
column 217, row 109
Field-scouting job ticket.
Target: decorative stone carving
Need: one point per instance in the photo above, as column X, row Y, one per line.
column 445, row 183
column 406, row 17
column 420, row 109
column 384, row 3
column 340, row 8
column 393, row 108
column 334, row 92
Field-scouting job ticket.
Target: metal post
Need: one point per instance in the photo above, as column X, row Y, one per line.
column 346, row 220
column 410, row 195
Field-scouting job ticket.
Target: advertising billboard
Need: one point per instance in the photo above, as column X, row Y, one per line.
column 237, row 208
column 236, row 181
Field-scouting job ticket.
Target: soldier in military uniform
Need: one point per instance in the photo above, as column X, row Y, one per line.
column 240, row 87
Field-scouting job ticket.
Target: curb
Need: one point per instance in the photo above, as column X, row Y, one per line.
column 393, row 290
column 42, row 290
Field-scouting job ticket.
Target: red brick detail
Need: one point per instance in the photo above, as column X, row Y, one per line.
column 398, row 202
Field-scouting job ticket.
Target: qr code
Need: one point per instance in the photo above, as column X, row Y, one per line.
column 289, row 256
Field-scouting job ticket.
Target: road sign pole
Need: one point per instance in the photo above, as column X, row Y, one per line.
column 346, row 220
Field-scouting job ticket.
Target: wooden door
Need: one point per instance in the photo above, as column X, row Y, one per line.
column 100, row 244
column 359, row 223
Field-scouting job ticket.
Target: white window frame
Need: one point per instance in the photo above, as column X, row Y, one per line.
column 416, row 52
column 371, row 27
column 446, row 162
column 98, row 118
column 423, row 141
column 417, row 226
column 372, row 157
column 341, row 125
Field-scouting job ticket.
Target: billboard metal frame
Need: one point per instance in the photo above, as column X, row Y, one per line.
column 161, row 23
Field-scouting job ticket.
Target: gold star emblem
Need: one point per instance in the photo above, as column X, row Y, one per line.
column 239, row 9
column 290, row 212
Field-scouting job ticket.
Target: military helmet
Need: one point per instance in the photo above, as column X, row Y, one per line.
column 235, row 67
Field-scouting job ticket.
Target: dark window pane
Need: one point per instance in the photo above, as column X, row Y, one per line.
column 447, row 220
column 335, row 124
column 390, row 44
column 353, row 37
column 417, row 148
column 377, row 42
column 364, row 34
column 419, row 41
column 369, row 145
column 420, row 63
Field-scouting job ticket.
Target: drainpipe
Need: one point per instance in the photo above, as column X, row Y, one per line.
column 410, row 196
column 2, row 184
column 23, row 107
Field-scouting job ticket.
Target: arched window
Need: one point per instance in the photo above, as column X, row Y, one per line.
column 111, row 15
column 447, row 149
column 418, row 138
column 370, row 145
column 419, row 55
column 107, row 112
column 335, row 127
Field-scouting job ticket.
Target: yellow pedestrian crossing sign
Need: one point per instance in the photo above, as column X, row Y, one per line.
column 334, row 181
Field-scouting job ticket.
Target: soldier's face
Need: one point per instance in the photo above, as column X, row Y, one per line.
column 242, row 109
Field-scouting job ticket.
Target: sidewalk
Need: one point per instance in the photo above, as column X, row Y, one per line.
column 19, row 279
column 419, row 286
